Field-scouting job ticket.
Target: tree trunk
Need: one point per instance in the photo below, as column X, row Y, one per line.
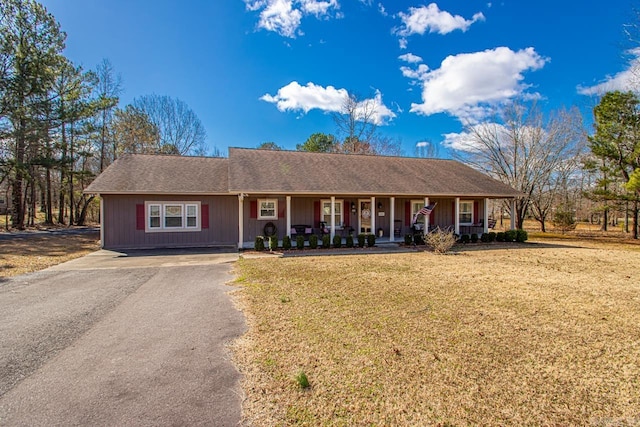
column 48, row 200
column 635, row 219
column 63, row 168
column 83, row 213
column 17, row 217
column 70, row 176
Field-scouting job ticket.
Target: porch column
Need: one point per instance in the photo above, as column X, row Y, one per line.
column 333, row 217
column 486, row 215
column 289, row 216
column 240, row 220
column 456, row 217
column 427, row 218
column 513, row 214
column 373, row 215
column 392, row 219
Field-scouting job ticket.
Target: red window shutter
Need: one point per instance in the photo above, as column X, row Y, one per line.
column 407, row 213
column 316, row 212
column 140, row 217
column 347, row 214
column 253, row 209
column 475, row 211
column 204, row 210
column 281, row 210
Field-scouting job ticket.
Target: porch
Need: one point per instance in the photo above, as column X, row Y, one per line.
column 388, row 217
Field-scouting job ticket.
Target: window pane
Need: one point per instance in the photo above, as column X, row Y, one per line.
column 154, row 210
column 191, row 221
column 173, row 216
column 191, row 210
column 154, row 222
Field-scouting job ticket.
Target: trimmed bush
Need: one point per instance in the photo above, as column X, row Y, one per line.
column 273, row 243
column 510, row 236
column 500, row 237
column 286, row 243
column 337, row 241
column 313, row 241
column 300, row 242
column 485, row 238
column 371, row 240
column 349, row 241
column 408, row 239
column 441, row 241
column 474, row 238
column 492, row 236
column 418, row 239
column 361, row 240
column 521, row 236
column 464, row 238
column 326, row 241
column 258, row 243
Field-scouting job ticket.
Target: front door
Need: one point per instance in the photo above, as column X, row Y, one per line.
column 365, row 216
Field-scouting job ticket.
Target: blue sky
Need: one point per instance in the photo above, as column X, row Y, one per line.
column 274, row 70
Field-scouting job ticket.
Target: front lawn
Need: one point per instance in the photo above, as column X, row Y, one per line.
column 534, row 334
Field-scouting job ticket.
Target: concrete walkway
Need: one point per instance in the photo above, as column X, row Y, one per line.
column 121, row 339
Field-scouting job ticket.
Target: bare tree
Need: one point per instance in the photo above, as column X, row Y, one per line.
column 108, row 88
column 181, row 131
column 522, row 149
column 133, row 132
column 357, row 123
column 427, row 149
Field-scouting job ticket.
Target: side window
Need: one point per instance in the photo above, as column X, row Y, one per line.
column 466, row 212
column 154, row 216
column 172, row 216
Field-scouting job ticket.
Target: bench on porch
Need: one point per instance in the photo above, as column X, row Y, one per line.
column 301, row 230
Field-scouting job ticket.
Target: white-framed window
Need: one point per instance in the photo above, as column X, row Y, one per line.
column 466, row 212
column 416, row 205
column 268, row 209
column 338, row 213
column 172, row 216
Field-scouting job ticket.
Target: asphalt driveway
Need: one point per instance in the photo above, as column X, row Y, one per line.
column 121, row 340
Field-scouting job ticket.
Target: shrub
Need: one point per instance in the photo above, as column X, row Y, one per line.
column 485, row 238
column 349, row 241
column 337, row 241
column 418, row 238
column 300, row 242
column 361, row 239
column 326, row 241
column 441, row 241
column 474, row 238
column 258, row 243
column 371, row 240
column 510, row 236
column 492, row 236
column 408, row 239
column 302, row 380
column 564, row 219
column 521, row 236
column 464, row 238
column 273, row 243
column 313, row 241
column 286, row 243
column 500, row 236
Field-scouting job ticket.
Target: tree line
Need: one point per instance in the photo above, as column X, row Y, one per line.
column 61, row 125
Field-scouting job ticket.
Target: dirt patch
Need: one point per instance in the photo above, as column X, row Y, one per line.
column 544, row 333
column 24, row 254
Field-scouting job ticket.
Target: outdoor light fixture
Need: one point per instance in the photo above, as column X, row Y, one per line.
column 379, row 205
column 353, row 207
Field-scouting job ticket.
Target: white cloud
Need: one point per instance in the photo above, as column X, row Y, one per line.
column 382, row 10
column 433, row 20
column 462, row 141
column 410, row 58
column 285, row 16
column 294, row 97
column 468, row 85
column 623, row 81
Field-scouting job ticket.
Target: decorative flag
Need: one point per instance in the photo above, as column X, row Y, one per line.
column 426, row 210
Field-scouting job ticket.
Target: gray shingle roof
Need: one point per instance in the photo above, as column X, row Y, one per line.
column 156, row 174
column 294, row 172
column 265, row 171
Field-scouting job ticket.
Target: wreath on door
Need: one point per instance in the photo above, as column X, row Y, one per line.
column 366, row 213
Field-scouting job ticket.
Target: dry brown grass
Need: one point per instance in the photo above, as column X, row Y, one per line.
column 32, row 253
column 534, row 334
